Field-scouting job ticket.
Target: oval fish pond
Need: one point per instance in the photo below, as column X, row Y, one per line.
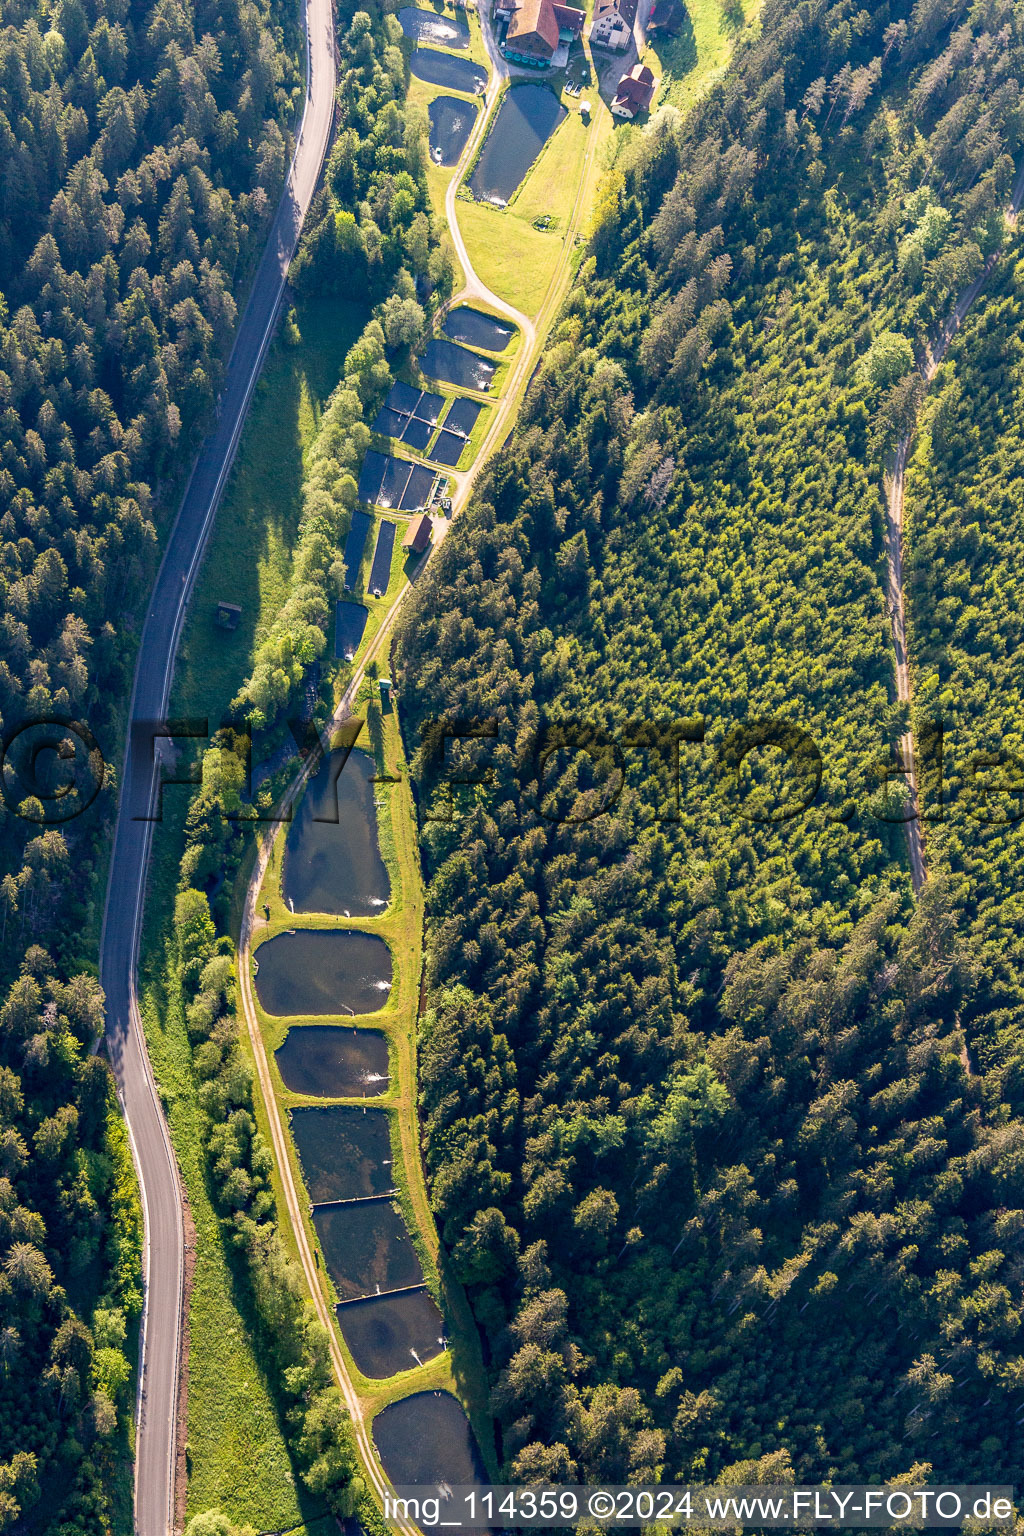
column 451, row 122
column 429, row 27
column 388, row 1334
column 477, row 330
column 526, row 119
column 323, row 972
column 332, row 859
column 345, row 1151
column 333, row 1061
column 446, row 69
column 456, row 365
column 427, row 1439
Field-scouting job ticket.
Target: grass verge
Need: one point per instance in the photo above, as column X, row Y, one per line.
column 512, row 258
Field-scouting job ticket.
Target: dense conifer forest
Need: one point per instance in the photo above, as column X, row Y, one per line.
column 142, row 150
column 723, row 1125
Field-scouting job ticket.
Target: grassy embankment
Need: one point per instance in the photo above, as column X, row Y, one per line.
column 237, row 1454
column 689, row 62
column 514, row 259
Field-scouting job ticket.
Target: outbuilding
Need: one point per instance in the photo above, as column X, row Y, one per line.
column 417, row 535
column 228, row 615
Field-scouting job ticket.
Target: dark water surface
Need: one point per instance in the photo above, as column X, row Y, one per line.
column 367, row 1248
column 345, row 1151
column 527, row 117
column 316, row 971
column 462, row 416
column 429, row 407
column 332, row 859
column 416, row 433
column 447, row 70
column 334, row 1061
column 444, row 360
column 380, row 572
column 477, row 330
column 448, row 449
column 387, row 1333
column 402, row 397
column 356, row 541
column 370, row 476
column 451, row 122
column 427, row 1439
column 428, row 27
column 418, row 489
column 389, row 422
column 396, row 478
column 349, row 623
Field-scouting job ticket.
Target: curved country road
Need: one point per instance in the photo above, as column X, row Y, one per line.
column 894, row 497
column 163, row 1259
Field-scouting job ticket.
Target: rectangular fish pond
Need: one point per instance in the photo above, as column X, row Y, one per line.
column 448, row 449
column 345, row 1151
column 388, row 1334
column 323, row 971
column 462, row 415
column 393, row 482
column 417, row 492
column 416, row 433
column 380, row 571
column 349, row 623
column 527, row 117
column 403, row 397
column 427, row 1439
column 334, row 1061
column 389, row 423
column 360, row 526
column 367, row 1248
column 332, row 859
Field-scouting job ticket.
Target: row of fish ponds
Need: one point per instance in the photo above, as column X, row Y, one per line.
column 431, row 425
column 349, row 1152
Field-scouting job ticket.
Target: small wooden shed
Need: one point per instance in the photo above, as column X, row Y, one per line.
column 417, row 535
column 228, row 615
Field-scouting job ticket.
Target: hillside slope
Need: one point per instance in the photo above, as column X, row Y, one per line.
column 701, row 1126
column 142, row 148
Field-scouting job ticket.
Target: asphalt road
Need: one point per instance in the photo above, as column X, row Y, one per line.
column 160, row 1348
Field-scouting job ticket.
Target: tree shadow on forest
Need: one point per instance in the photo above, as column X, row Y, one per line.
column 679, row 53
column 733, row 16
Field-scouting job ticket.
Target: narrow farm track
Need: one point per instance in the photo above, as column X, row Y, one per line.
column 164, row 1244
column 533, row 333
column 894, row 489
